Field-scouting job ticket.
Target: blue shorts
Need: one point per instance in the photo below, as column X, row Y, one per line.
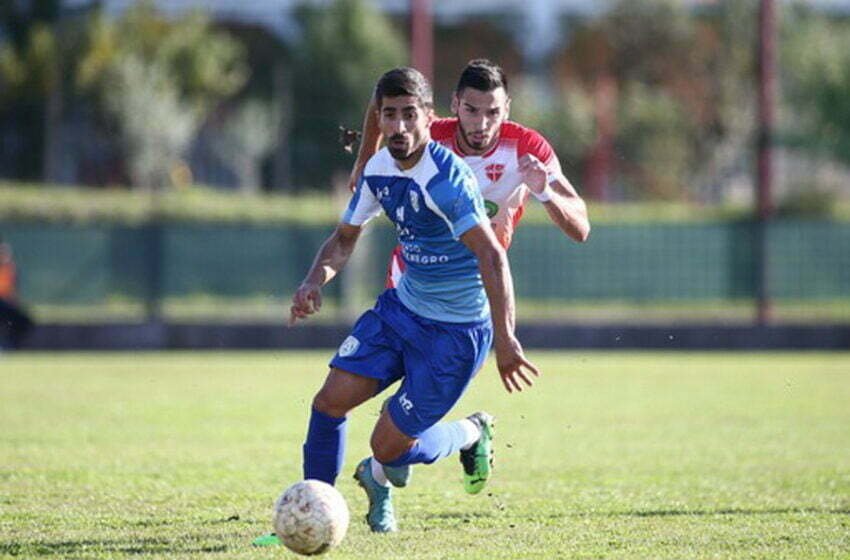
column 435, row 360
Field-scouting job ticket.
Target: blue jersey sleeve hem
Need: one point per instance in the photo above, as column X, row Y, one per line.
column 465, row 224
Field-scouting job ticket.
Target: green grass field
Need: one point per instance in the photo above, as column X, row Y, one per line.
column 626, row 455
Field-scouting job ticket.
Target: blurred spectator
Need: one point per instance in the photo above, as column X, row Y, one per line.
column 15, row 324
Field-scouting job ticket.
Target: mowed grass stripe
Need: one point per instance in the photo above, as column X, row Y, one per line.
column 610, row 455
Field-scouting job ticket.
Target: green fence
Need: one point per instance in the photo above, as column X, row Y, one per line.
column 808, row 262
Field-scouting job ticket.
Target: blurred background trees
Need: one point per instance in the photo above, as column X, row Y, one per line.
column 650, row 100
column 342, row 51
column 650, row 105
column 247, row 136
column 29, row 77
column 816, row 56
column 682, row 84
column 157, row 80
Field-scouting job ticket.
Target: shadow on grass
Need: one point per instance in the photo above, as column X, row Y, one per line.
column 462, row 515
column 145, row 523
column 729, row 511
column 139, row 546
column 467, row 516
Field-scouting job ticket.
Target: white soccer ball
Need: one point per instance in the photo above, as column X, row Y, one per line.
column 311, row 517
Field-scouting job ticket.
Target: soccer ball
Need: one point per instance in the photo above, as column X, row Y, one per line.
column 310, row 517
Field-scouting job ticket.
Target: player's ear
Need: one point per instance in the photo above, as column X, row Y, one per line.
column 455, row 103
column 508, row 108
column 430, row 115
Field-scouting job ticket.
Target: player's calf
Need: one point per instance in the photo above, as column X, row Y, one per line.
column 397, row 476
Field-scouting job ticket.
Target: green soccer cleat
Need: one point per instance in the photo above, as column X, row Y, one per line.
column 381, row 518
column 266, row 540
column 477, row 461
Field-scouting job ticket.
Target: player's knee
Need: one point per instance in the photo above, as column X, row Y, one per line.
column 387, row 450
column 384, row 453
column 326, row 403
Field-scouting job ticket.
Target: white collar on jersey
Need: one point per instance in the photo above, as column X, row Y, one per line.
column 383, row 164
column 412, row 171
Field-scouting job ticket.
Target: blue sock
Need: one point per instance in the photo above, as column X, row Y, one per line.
column 324, row 449
column 438, row 441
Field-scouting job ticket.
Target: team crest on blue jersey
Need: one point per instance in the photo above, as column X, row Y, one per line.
column 414, row 200
column 349, row 346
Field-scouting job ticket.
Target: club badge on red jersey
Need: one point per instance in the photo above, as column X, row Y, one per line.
column 495, row 171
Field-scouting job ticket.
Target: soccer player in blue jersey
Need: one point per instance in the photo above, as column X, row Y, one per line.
column 434, row 330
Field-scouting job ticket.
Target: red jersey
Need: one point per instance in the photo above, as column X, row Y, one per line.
column 498, row 177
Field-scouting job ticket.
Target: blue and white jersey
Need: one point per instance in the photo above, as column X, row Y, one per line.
column 431, row 204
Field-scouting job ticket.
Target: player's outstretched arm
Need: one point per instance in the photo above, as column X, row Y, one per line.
column 563, row 204
column 496, row 274
column 370, row 142
column 330, row 259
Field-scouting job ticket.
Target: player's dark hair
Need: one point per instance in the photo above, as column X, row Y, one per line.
column 404, row 81
column 483, row 75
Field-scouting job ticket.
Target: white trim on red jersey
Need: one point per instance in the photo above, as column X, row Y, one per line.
column 497, row 171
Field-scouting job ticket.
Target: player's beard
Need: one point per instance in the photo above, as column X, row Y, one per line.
column 399, row 150
column 477, row 145
column 406, row 150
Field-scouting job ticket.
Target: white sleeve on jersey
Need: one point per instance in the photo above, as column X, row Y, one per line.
column 363, row 206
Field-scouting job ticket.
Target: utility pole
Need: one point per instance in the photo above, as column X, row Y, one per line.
column 767, row 70
column 422, row 37
column 599, row 167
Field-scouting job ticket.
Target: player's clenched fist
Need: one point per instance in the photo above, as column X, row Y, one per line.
column 533, row 172
column 513, row 366
column 306, row 301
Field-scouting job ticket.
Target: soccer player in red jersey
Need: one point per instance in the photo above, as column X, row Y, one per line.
column 510, row 161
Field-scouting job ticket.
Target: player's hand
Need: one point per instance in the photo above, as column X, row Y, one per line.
column 354, row 178
column 348, row 138
column 306, row 301
column 513, row 366
column 533, row 172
